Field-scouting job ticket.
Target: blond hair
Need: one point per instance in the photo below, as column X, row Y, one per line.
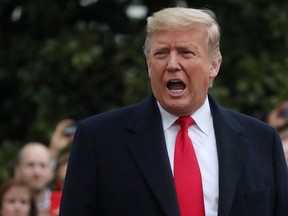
column 179, row 18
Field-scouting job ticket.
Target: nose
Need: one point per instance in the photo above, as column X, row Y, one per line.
column 37, row 169
column 173, row 63
column 18, row 205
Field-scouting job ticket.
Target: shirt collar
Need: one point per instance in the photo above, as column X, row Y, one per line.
column 202, row 117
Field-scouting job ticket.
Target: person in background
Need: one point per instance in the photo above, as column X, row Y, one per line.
column 16, row 199
column 37, row 162
column 35, row 168
column 178, row 152
column 59, row 147
column 60, row 173
column 278, row 118
column 62, row 137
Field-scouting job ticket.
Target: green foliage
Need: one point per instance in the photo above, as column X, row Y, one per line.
column 254, row 48
column 8, row 157
column 62, row 59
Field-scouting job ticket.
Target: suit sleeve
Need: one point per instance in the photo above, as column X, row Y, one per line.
column 281, row 179
column 80, row 187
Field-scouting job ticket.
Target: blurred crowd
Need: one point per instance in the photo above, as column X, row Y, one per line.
column 35, row 189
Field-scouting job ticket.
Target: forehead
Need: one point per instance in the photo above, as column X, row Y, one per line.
column 18, row 191
column 35, row 153
column 196, row 35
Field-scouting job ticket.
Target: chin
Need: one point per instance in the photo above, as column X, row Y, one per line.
column 179, row 110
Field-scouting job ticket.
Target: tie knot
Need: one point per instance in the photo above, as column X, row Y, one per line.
column 185, row 121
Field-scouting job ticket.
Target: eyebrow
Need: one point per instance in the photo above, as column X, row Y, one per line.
column 186, row 46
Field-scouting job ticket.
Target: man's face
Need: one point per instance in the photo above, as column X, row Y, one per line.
column 180, row 68
column 35, row 167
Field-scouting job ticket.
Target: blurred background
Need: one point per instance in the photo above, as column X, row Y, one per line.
column 76, row 58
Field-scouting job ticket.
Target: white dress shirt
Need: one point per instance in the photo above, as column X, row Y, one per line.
column 204, row 142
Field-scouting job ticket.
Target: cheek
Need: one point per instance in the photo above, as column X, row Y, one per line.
column 200, row 75
column 47, row 175
column 148, row 62
column 27, row 208
column 154, row 75
column 151, row 70
column 27, row 171
column 156, row 68
column 6, row 208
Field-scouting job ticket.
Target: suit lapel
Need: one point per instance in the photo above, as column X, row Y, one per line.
column 232, row 151
column 148, row 148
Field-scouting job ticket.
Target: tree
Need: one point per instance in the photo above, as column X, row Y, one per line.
column 73, row 59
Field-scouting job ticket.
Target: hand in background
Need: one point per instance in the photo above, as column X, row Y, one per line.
column 59, row 140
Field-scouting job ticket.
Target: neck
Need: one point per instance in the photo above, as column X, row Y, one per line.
column 39, row 196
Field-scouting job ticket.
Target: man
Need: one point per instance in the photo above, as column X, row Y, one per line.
column 34, row 167
column 123, row 162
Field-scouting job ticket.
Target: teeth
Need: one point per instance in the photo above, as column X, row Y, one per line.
column 175, row 81
column 176, row 91
column 176, row 86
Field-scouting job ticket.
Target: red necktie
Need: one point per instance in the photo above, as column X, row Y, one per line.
column 187, row 175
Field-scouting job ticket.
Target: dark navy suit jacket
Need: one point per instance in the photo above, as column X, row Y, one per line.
column 119, row 166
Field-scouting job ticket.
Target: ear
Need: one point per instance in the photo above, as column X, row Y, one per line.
column 215, row 67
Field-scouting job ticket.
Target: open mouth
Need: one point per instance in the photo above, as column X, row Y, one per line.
column 176, row 86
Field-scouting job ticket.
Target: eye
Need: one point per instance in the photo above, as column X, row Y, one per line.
column 43, row 165
column 187, row 53
column 11, row 200
column 30, row 165
column 161, row 53
column 24, row 202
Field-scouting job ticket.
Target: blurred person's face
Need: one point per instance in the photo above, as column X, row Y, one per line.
column 180, row 69
column 16, row 202
column 35, row 167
